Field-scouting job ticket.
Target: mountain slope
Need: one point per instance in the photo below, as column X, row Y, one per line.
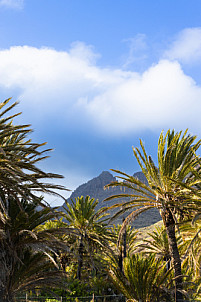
column 95, row 188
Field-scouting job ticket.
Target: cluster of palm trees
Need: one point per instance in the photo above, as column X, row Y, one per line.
column 42, row 248
column 24, row 250
column 174, row 186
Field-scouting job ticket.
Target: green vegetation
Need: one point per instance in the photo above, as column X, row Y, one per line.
column 144, row 278
column 77, row 252
column 92, row 232
column 170, row 187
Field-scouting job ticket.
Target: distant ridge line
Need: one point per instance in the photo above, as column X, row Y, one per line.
column 95, row 189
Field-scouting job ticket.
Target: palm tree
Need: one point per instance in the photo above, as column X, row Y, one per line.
column 32, row 247
column 19, row 175
column 191, row 234
column 157, row 242
column 177, row 164
column 143, row 279
column 191, row 257
column 125, row 246
column 92, row 230
column 29, row 249
column 36, row 272
column 20, row 179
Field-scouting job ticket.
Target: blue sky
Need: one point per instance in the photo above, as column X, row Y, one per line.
column 94, row 76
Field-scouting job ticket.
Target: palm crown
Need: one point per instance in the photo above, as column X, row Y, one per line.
column 90, row 225
column 170, row 187
column 19, row 175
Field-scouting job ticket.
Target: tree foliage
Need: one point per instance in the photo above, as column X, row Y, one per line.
column 143, row 278
column 21, row 184
column 170, row 187
column 43, row 248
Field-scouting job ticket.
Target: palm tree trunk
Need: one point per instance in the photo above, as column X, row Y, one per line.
column 120, row 260
column 122, row 254
column 169, row 223
column 5, row 270
column 124, row 244
column 80, row 258
column 6, row 298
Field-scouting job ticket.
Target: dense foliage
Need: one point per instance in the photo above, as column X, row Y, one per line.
column 77, row 252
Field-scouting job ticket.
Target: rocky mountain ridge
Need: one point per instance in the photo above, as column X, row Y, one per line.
column 95, row 188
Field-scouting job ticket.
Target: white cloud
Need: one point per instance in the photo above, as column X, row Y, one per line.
column 162, row 97
column 70, row 86
column 83, row 52
column 187, row 46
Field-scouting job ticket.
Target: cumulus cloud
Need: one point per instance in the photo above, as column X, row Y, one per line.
column 71, row 86
column 163, row 96
column 16, row 4
column 187, row 46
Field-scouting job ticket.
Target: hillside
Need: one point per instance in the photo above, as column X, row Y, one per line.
column 95, row 188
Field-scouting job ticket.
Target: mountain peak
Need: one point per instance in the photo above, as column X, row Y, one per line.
column 95, row 189
column 106, row 174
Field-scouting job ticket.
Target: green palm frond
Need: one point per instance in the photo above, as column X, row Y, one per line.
column 20, row 177
column 174, row 187
column 36, row 271
column 92, row 230
column 191, row 234
column 144, row 278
